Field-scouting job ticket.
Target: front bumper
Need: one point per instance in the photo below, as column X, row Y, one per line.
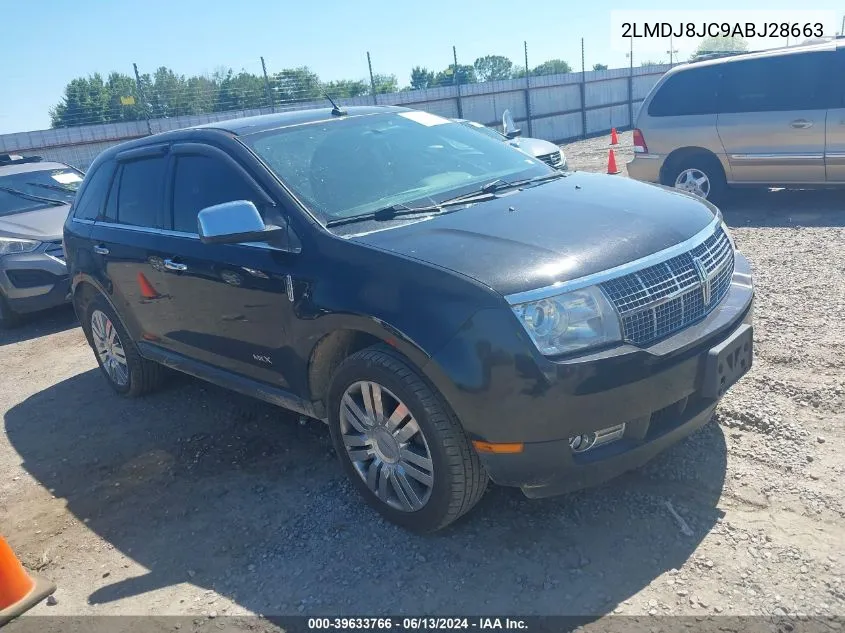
column 35, row 281
column 511, row 394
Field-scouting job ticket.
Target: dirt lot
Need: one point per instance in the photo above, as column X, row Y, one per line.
column 197, row 501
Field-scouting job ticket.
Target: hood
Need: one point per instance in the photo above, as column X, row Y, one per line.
column 558, row 231
column 42, row 224
column 535, row 146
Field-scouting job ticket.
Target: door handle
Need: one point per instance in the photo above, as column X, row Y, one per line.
column 101, row 250
column 801, row 124
column 169, row 264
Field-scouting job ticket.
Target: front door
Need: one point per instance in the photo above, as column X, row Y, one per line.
column 126, row 245
column 232, row 299
column 772, row 116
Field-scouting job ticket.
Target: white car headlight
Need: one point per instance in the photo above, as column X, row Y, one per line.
column 569, row 322
column 10, row 245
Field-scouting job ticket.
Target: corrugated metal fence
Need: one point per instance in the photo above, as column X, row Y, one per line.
column 553, row 107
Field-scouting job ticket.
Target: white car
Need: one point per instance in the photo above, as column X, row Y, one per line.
column 544, row 150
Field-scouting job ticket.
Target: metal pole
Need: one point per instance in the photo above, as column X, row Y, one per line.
column 143, row 98
column 631, row 86
column 842, row 28
column 527, row 91
column 457, row 83
column 671, row 50
column 372, row 79
column 267, row 90
column 583, row 87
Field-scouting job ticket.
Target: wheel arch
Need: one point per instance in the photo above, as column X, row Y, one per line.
column 678, row 156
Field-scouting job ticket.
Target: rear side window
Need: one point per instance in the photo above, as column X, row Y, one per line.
column 139, row 193
column 203, row 181
column 777, row 84
column 93, row 195
column 688, row 92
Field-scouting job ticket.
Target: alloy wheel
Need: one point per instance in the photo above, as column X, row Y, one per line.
column 109, row 348
column 386, row 446
column 694, row 181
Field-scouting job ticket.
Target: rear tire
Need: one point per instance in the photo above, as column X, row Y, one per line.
column 701, row 175
column 126, row 371
column 415, row 464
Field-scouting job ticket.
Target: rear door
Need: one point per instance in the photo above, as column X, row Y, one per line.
column 231, row 299
column 835, row 150
column 126, row 241
column 772, row 115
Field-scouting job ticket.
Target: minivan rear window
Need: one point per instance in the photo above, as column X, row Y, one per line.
column 777, row 84
column 689, row 91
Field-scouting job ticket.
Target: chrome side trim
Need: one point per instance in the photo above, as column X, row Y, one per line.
column 634, row 266
column 649, row 156
column 183, row 234
column 82, row 221
column 807, row 156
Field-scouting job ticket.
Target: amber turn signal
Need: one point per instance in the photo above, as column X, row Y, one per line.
column 489, row 447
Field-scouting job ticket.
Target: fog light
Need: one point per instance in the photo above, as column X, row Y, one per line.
column 586, row 441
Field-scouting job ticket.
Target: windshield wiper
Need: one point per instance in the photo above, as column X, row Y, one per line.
column 24, row 194
column 487, row 191
column 387, row 213
column 500, row 185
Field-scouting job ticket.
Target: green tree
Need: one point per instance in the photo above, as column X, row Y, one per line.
column 720, row 45
column 493, row 68
column 296, row 84
column 385, row 84
column 124, row 101
column 551, row 67
column 240, row 92
column 421, row 78
column 599, row 66
column 345, row 88
column 462, row 74
column 649, row 62
column 85, row 101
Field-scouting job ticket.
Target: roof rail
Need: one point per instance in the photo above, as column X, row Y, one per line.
column 16, row 159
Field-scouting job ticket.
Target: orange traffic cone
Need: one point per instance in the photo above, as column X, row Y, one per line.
column 611, row 163
column 19, row 591
column 614, row 140
column 147, row 290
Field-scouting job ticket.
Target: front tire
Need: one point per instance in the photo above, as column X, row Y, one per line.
column 126, row 371
column 400, row 444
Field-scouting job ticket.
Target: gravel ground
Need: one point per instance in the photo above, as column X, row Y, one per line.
column 200, row 502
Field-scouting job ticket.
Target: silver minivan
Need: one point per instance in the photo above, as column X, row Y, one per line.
column 766, row 119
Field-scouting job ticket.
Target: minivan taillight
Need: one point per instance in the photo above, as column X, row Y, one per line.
column 639, row 142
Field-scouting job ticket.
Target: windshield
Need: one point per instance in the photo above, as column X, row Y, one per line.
column 484, row 130
column 355, row 165
column 31, row 190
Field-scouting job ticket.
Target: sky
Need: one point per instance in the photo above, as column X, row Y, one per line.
column 62, row 39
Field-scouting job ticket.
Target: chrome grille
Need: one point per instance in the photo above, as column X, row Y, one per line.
column 666, row 297
column 552, row 159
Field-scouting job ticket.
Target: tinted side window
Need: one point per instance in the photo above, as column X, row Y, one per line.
column 691, row 91
column 203, row 181
column 93, row 196
column 782, row 83
column 141, row 190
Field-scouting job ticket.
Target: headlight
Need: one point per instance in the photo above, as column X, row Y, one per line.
column 562, row 160
column 568, row 322
column 9, row 245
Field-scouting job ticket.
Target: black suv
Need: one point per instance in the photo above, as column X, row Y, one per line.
column 453, row 308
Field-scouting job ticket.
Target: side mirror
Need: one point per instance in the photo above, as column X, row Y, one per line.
column 234, row 222
column 508, row 126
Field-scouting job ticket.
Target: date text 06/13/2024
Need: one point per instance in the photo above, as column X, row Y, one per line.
column 745, row 30
column 417, row 624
